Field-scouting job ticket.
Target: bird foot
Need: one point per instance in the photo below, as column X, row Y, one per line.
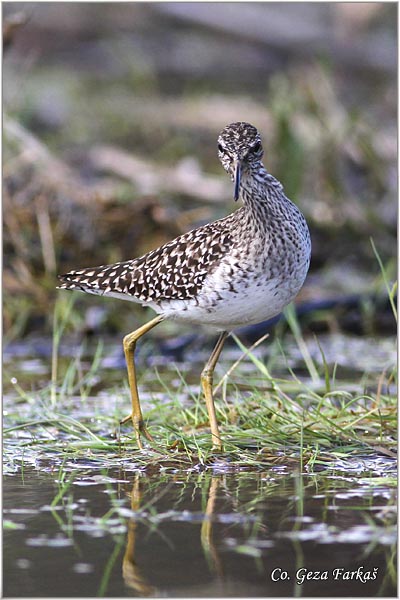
column 139, row 428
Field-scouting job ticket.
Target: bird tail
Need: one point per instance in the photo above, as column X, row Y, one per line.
column 108, row 280
column 84, row 280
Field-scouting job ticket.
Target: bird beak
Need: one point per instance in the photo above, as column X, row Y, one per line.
column 238, row 174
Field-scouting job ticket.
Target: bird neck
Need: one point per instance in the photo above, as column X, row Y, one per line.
column 260, row 192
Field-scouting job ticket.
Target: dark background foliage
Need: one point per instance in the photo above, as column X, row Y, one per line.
column 111, row 113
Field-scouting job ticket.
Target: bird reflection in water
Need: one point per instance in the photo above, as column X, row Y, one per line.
column 131, row 571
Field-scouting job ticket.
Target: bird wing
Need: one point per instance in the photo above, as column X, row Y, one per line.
column 173, row 271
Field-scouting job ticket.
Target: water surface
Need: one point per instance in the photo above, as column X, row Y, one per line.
column 120, row 532
column 88, row 523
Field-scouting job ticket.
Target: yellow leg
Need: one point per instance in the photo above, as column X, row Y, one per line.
column 207, row 383
column 129, row 349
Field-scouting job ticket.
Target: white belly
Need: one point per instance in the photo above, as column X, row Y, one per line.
column 252, row 301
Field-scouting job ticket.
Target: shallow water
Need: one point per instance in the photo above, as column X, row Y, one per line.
column 86, row 525
column 119, row 532
column 351, row 357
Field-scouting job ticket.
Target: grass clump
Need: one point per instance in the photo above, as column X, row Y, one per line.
column 309, row 419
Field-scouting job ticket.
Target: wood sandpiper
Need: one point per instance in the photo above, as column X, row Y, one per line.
column 239, row 270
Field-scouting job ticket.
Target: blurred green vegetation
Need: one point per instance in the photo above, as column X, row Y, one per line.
column 111, row 119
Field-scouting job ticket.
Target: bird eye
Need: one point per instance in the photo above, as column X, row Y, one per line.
column 221, row 148
column 256, row 147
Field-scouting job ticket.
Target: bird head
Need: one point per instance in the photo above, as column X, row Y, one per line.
column 239, row 147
